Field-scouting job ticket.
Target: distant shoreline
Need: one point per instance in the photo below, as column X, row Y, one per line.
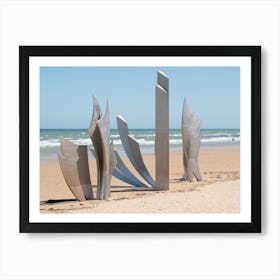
column 210, row 138
column 51, row 157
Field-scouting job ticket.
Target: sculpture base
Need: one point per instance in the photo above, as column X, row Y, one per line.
column 192, row 170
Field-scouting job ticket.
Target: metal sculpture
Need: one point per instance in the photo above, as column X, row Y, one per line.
column 162, row 132
column 191, row 143
column 99, row 132
column 112, row 166
column 73, row 158
column 124, row 174
column 73, row 161
column 121, row 172
column 132, row 149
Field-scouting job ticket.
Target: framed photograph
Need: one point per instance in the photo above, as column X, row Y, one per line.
column 140, row 139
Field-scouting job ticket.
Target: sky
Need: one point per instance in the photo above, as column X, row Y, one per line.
column 66, row 94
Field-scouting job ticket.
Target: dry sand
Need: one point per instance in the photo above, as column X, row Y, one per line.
column 217, row 193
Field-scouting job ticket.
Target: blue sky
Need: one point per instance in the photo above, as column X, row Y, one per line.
column 66, row 95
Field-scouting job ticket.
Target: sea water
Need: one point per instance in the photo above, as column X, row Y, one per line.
column 50, row 145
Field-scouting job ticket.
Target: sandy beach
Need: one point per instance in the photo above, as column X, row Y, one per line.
column 217, row 193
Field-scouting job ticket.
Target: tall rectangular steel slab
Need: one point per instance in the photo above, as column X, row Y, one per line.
column 162, row 132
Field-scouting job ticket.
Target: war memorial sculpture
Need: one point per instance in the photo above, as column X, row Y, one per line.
column 73, row 159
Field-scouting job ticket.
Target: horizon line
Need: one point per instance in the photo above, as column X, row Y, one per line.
column 138, row 128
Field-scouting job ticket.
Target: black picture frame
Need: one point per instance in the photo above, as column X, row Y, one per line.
column 254, row 52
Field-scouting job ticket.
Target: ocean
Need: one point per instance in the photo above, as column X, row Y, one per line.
column 50, row 146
